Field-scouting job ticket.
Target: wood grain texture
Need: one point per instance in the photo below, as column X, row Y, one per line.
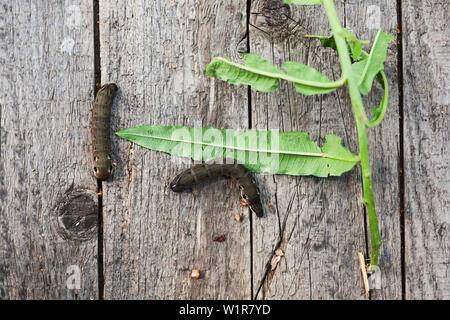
column 156, row 52
column 46, row 95
column 426, row 39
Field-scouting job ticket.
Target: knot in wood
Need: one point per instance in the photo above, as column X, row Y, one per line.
column 271, row 18
column 77, row 215
column 276, row 13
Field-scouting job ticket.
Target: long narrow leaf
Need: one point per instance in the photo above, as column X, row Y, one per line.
column 262, row 75
column 290, row 153
column 368, row 68
column 297, row 70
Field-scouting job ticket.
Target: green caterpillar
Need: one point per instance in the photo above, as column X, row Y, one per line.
column 101, row 146
column 237, row 172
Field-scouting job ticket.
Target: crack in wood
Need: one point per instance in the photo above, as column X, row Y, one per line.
column 269, row 273
column 401, row 177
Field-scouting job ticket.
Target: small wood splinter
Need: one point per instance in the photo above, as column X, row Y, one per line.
column 362, row 266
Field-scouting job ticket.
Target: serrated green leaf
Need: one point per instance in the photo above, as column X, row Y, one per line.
column 262, row 75
column 370, row 64
column 333, row 146
column 367, row 69
column 299, row 70
column 290, row 153
column 257, row 62
column 303, row 2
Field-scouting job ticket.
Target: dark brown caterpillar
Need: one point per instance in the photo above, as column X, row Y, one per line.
column 100, row 131
column 237, row 172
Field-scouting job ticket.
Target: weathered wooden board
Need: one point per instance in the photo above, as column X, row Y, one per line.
column 321, row 221
column 156, row 52
column 426, row 57
column 365, row 18
column 46, row 94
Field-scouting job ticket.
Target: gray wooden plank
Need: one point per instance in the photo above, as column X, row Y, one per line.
column 46, row 93
column 156, row 52
column 365, row 18
column 426, row 43
column 320, row 221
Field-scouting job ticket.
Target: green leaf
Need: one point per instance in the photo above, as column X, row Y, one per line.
column 303, row 2
column 262, row 75
column 367, row 69
column 290, row 153
column 327, row 42
column 378, row 113
column 370, row 64
column 355, row 45
column 298, row 70
column 333, row 146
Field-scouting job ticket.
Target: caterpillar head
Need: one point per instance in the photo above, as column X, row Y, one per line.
column 254, row 204
column 109, row 89
column 257, row 209
column 103, row 167
column 182, row 182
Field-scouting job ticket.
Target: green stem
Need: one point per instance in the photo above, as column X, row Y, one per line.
column 361, row 121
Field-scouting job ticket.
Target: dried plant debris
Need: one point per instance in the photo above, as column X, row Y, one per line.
column 219, row 238
column 195, row 274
